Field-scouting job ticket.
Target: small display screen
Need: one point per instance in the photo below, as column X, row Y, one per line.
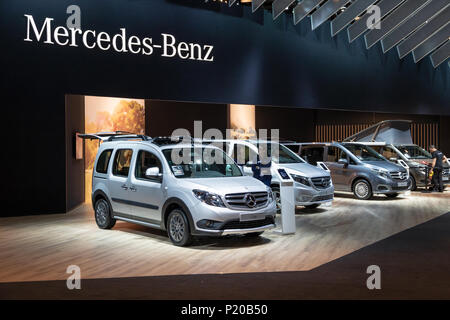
column 283, row 174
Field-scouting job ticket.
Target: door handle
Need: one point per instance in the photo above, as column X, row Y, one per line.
column 133, row 189
column 124, row 186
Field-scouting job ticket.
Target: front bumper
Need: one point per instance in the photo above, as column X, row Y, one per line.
column 305, row 196
column 421, row 179
column 388, row 185
column 227, row 221
column 251, row 230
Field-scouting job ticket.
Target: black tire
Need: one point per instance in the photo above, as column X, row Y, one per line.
column 362, row 190
column 313, row 206
column 392, row 195
column 178, row 228
column 413, row 186
column 276, row 193
column 102, row 213
column 253, row 234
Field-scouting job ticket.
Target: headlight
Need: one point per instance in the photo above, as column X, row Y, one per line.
column 382, row 173
column 301, row 179
column 270, row 193
column 209, row 198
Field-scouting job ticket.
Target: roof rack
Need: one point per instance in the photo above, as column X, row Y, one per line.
column 168, row 140
column 116, row 135
column 129, row 137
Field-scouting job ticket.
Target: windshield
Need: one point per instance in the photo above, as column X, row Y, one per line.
column 200, row 163
column 364, row 153
column 414, row 152
column 284, row 154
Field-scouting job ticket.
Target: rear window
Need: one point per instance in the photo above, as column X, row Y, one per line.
column 103, row 161
column 122, row 162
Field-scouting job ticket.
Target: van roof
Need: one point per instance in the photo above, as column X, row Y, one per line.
column 151, row 143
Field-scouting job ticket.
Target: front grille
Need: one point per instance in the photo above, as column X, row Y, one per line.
column 321, row 182
column 236, row 224
column 399, row 188
column 240, row 200
column 446, row 171
column 399, row 175
column 322, row 198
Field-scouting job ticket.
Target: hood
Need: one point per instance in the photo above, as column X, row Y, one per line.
column 224, row 185
column 419, row 162
column 304, row 169
column 422, row 163
column 386, row 165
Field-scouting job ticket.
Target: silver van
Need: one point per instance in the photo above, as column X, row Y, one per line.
column 135, row 179
column 356, row 168
column 313, row 186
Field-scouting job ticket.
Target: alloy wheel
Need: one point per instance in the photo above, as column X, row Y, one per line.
column 362, row 189
column 177, row 227
column 101, row 212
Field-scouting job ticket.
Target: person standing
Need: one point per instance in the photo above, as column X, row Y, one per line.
column 437, row 166
column 262, row 168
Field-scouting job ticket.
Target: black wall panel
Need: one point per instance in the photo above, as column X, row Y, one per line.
column 163, row 117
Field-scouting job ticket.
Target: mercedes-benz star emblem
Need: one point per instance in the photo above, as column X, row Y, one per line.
column 250, row 200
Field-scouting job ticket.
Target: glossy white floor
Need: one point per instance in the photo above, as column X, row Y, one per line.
column 42, row 247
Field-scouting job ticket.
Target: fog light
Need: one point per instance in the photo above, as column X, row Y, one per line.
column 209, row 224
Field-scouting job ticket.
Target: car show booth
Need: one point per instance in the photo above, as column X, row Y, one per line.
column 271, row 63
column 74, row 69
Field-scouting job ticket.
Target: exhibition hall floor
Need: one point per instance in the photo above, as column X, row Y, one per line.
column 36, row 248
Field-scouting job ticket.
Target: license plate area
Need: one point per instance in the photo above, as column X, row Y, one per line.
column 444, row 178
column 403, row 184
column 251, row 217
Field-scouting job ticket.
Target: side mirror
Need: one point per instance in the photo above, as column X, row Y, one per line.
column 343, row 161
column 152, row 172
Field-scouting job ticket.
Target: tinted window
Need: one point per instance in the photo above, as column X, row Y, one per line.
column 103, row 161
column 122, row 162
column 312, row 155
column 414, row 152
column 364, row 153
column 332, row 155
column 144, row 161
column 284, row 154
column 293, row 148
column 388, row 153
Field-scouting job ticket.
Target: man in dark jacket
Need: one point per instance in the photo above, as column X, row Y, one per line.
column 261, row 169
column 437, row 166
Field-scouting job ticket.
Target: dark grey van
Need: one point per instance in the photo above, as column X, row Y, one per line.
column 415, row 157
column 356, row 168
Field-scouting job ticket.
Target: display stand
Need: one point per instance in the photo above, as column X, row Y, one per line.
column 322, row 166
column 405, row 165
column 287, row 202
